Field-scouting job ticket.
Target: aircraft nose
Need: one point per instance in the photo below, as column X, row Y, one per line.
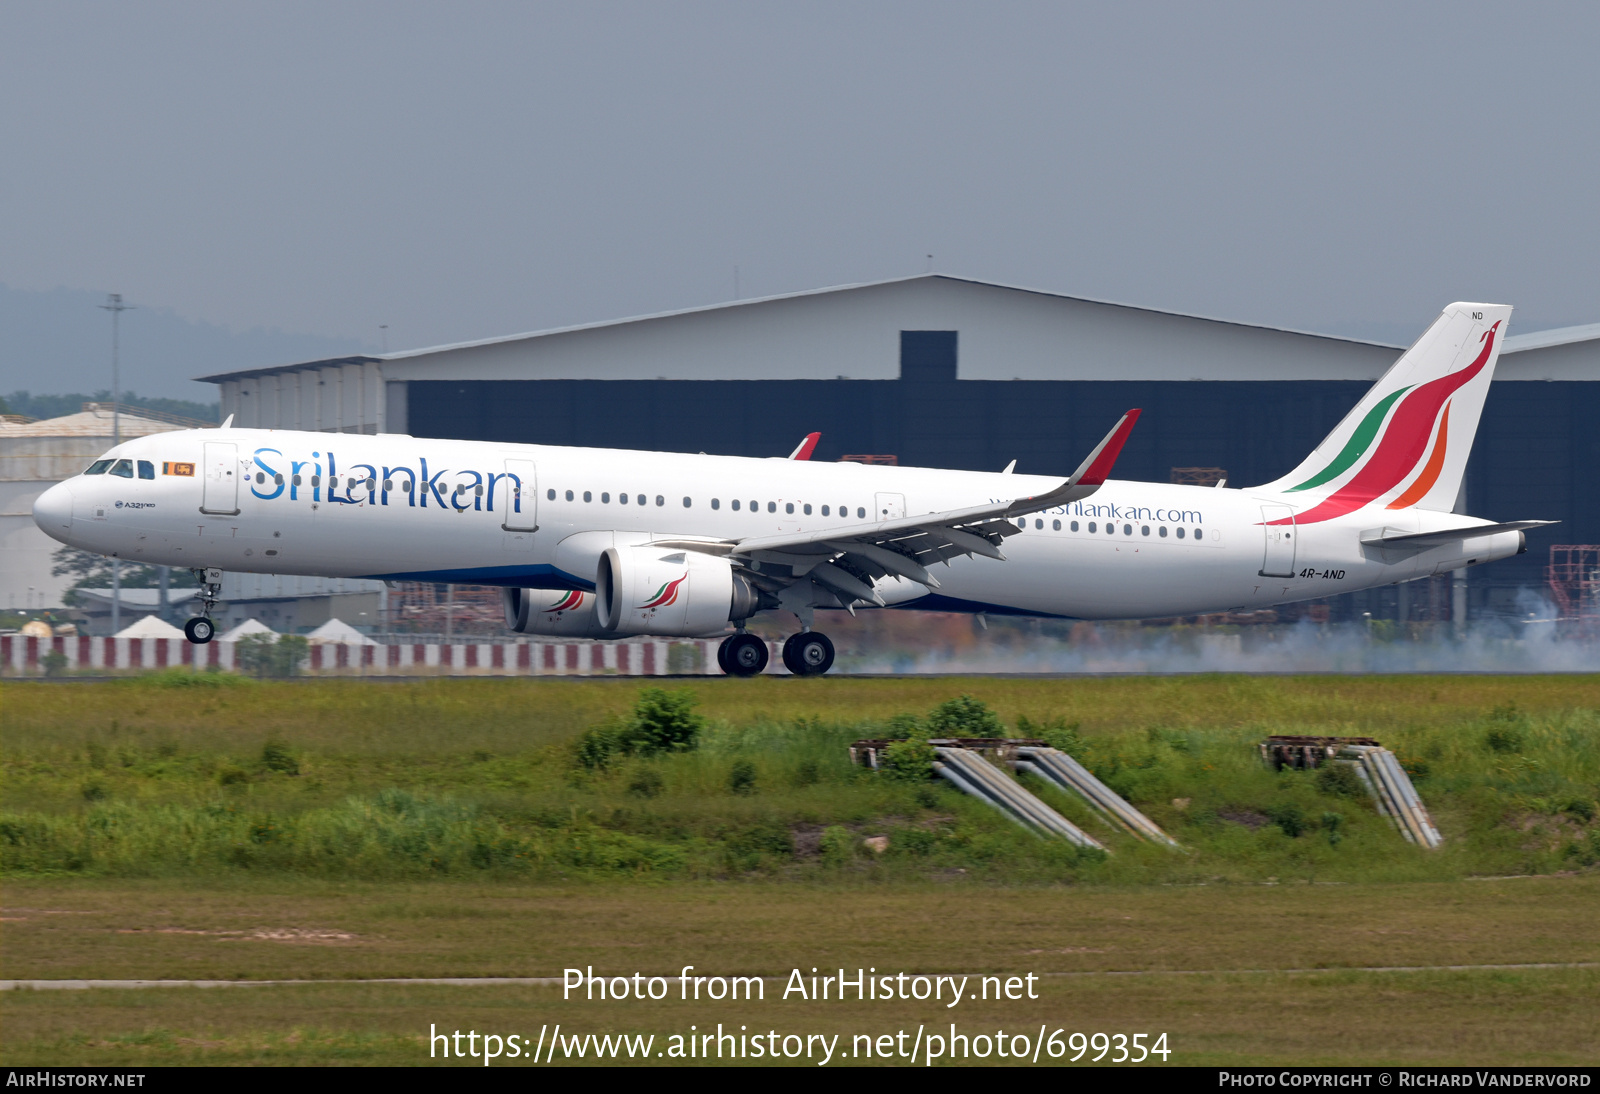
column 52, row 511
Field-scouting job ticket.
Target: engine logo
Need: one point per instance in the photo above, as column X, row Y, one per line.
column 666, row 595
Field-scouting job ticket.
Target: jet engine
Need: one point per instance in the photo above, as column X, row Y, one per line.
column 562, row 614
column 651, row 590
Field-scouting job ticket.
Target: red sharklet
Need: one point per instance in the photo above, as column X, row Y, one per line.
column 807, row 446
column 1100, row 469
column 1403, row 443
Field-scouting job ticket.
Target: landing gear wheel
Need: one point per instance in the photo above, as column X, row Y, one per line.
column 808, row 654
column 742, row 655
column 199, row 630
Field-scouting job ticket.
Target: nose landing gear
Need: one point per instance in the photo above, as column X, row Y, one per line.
column 201, row 629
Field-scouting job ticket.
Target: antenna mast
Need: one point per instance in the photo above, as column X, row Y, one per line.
column 116, row 307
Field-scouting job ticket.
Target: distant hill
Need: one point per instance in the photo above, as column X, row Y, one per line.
column 60, row 341
column 59, row 406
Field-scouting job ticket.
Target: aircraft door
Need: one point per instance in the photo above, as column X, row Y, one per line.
column 890, row 507
column 518, row 504
column 220, row 493
column 1279, row 558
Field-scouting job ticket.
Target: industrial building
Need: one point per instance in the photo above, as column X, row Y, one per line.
column 944, row 371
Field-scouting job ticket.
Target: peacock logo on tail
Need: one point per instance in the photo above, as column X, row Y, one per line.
column 1415, row 415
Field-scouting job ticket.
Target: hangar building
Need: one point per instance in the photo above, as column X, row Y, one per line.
column 944, row 371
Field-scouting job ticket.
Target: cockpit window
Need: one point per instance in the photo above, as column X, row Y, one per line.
column 123, row 469
column 98, row 467
column 147, row 470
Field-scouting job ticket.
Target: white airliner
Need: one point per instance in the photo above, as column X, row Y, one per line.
column 606, row 543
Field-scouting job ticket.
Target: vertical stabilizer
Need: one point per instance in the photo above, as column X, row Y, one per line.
column 1405, row 445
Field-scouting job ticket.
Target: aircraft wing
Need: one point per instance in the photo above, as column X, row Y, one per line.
column 847, row 560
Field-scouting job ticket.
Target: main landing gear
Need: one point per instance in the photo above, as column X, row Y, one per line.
column 742, row 654
column 805, row 654
column 201, row 629
column 808, row 653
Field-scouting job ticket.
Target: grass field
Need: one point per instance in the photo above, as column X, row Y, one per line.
column 172, row 777
column 208, row 827
column 1225, row 1014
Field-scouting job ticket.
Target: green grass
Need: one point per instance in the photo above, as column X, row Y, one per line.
column 1234, row 1003
column 213, row 776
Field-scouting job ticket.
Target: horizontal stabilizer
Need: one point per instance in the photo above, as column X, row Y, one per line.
column 1390, row 537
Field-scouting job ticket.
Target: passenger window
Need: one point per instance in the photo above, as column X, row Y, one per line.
column 1197, row 533
column 372, row 484
column 98, row 467
column 123, row 469
column 824, row 510
column 687, row 503
column 605, row 499
column 1022, row 522
column 1163, row 531
column 549, row 494
column 388, row 484
column 844, row 510
column 316, row 480
column 260, row 478
column 788, row 507
column 1127, row 529
column 660, row 500
column 1144, row 529
column 1180, row 533
column 1055, row 526
column 638, row 499
column 1111, row 529
column 588, row 496
column 861, row 512
column 772, row 507
column 1075, row 526
column 806, row 509
column 1092, row 527
column 569, row 495
column 716, row 503
column 1039, row 525
column 297, row 480
column 622, row 499
column 735, row 505
column 478, row 490
column 147, row 470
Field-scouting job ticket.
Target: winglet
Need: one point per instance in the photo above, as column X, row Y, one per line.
column 806, row 447
column 1096, row 467
column 227, row 423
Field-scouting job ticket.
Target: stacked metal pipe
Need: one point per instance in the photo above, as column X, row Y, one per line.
column 970, row 773
column 1391, row 788
column 1070, row 775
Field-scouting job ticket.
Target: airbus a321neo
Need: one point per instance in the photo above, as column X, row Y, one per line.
column 606, row 543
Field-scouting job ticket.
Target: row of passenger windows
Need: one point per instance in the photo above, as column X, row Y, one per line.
column 123, row 469
column 716, row 503
column 1111, row 528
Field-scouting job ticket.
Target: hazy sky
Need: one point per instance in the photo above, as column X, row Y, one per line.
column 469, row 169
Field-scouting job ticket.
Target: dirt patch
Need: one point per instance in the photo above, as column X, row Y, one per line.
column 259, row 934
column 1247, row 817
column 807, row 840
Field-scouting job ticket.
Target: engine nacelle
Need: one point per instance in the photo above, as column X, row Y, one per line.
column 559, row 614
column 651, row 590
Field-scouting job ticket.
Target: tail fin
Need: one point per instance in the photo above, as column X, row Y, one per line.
column 1406, row 443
